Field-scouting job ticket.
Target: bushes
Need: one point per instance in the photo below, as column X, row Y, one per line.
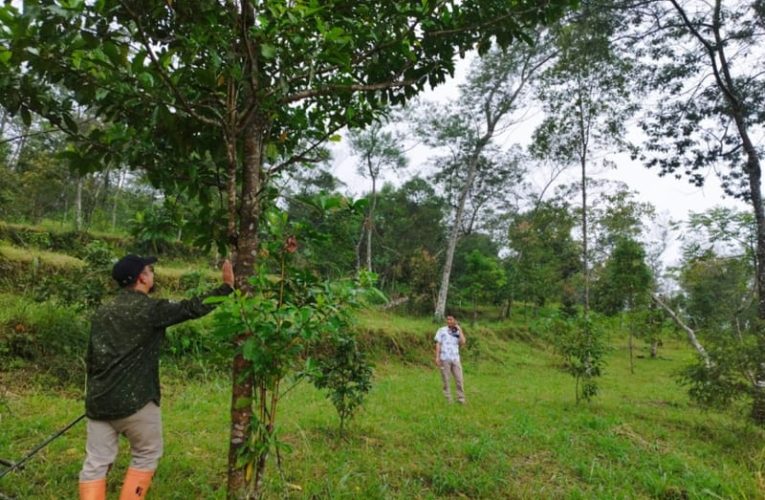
column 69, row 242
column 77, row 242
column 47, row 338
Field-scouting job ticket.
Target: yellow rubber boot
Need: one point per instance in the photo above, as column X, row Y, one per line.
column 136, row 484
column 93, row 490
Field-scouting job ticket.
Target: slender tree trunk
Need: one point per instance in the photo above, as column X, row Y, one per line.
column 3, row 121
column 688, row 331
column 360, row 244
column 371, row 223
column 585, row 257
column 654, row 348
column 66, row 210
column 506, row 306
column 78, row 205
column 758, row 397
column 115, row 198
column 19, row 149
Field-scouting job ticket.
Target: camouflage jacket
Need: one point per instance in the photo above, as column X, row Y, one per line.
column 123, row 351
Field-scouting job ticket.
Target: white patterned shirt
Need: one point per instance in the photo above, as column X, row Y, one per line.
column 450, row 345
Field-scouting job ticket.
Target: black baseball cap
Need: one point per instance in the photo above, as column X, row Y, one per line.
column 127, row 269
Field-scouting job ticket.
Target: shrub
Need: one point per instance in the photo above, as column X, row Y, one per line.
column 345, row 373
column 47, row 337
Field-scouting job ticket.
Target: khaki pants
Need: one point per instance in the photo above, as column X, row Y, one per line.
column 453, row 368
column 143, row 430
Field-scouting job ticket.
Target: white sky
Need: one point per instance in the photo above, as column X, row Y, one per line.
column 673, row 198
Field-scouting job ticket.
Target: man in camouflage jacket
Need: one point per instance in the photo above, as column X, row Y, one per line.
column 122, row 393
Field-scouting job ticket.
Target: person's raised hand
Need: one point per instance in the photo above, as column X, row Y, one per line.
column 227, row 270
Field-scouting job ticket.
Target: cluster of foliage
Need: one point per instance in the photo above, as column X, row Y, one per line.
column 344, row 372
column 294, row 325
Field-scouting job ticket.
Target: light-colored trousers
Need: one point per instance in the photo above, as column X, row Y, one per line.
column 452, row 368
column 143, row 429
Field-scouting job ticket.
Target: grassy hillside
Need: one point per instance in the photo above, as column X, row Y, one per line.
column 520, row 436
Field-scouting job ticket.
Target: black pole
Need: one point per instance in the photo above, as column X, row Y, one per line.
column 40, row 446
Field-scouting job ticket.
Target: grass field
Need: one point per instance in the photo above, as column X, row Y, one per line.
column 519, row 436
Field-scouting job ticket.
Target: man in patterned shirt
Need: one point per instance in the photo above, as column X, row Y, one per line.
column 448, row 339
column 122, row 393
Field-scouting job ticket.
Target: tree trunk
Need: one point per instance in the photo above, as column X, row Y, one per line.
column 3, row 120
column 506, row 307
column 371, row 223
column 454, row 235
column 758, row 398
column 19, row 149
column 585, row 257
column 239, row 484
column 78, row 205
column 360, row 244
column 688, row 331
column 654, row 348
column 115, row 198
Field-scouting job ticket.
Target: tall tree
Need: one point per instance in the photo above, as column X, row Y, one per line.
column 707, row 60
column 494, row 90
column 379, row 151
column 410, row 235
column 544, row 254
column 216, row 99
column 626, row 283
column 586, row 98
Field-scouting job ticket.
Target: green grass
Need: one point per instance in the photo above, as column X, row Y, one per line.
column 520, row 436
column 27, row 256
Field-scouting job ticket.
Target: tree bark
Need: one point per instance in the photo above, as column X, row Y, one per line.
column 454, row 235
column 239, row 485
column 371, row 222
column 78, row 205
column 360, row 244
column 688, row 331
column 115, row 198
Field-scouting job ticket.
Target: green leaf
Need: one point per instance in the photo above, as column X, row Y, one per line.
column 268, row 51
column 137, row 65
column 146, row 79
column 272, row 152
column 336, row 138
